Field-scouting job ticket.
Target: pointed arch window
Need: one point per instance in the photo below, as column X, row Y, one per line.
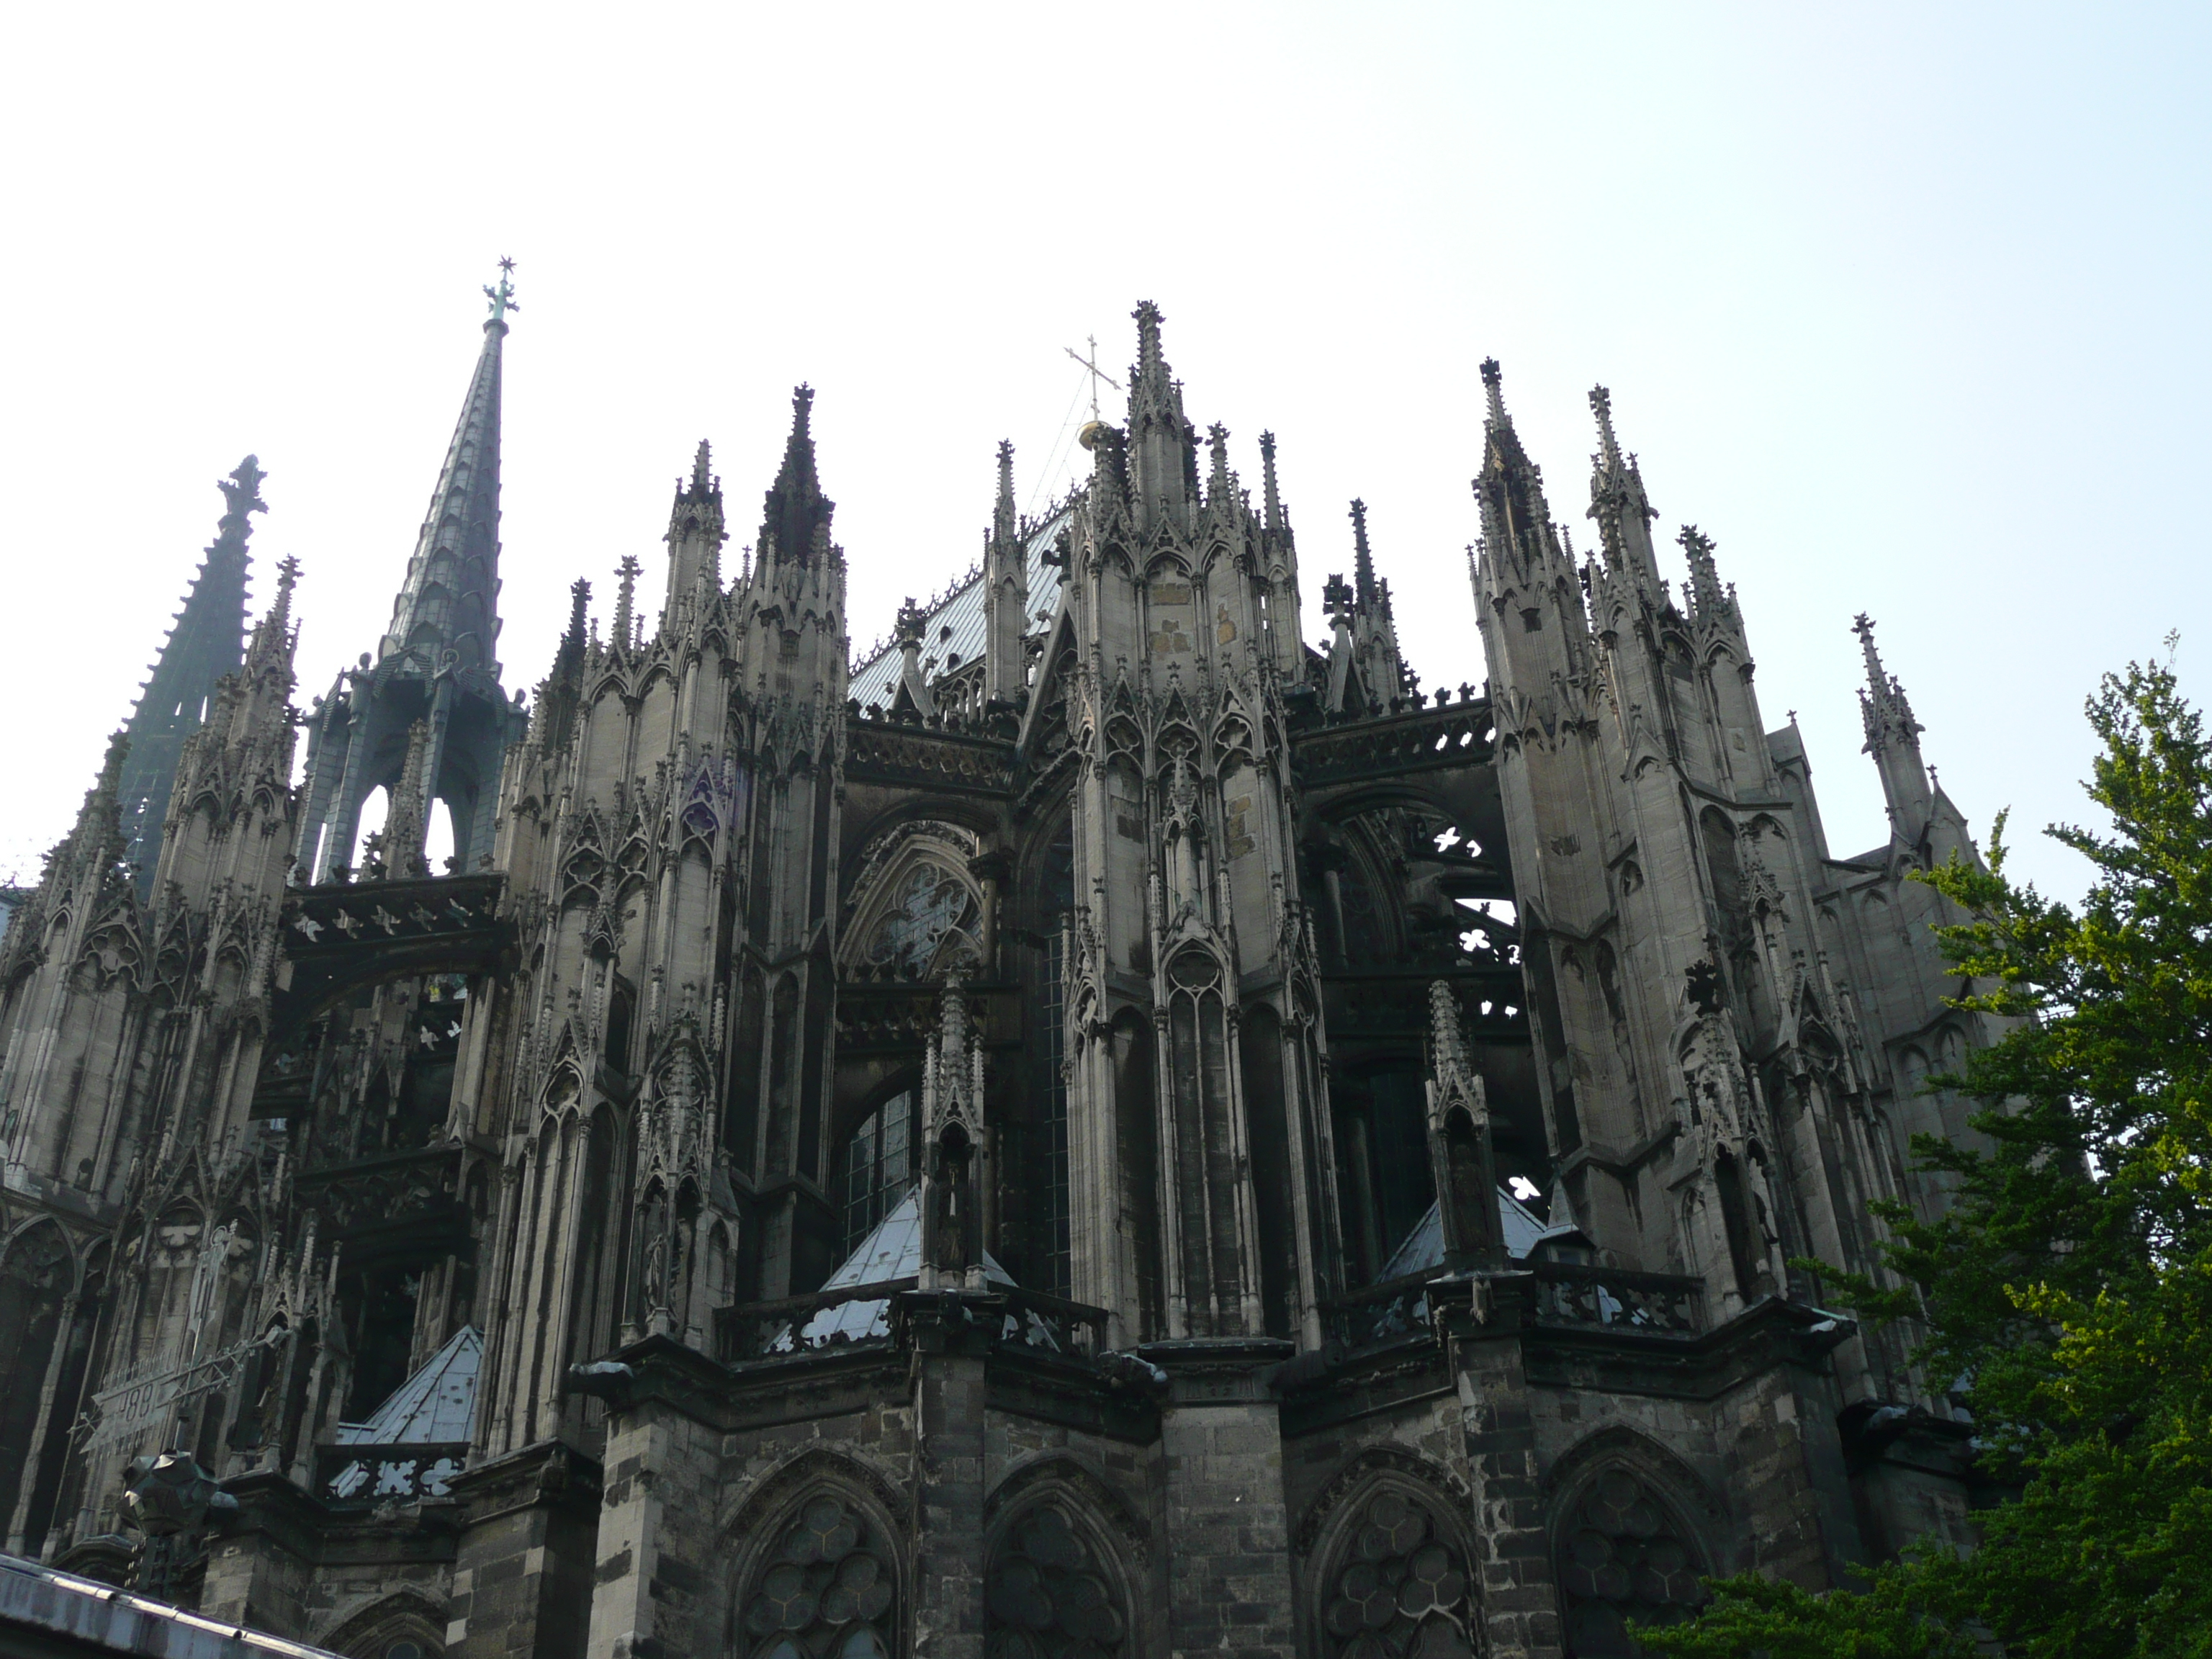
column 1049, row 1595
column 827, row 1591
column 1623, row 1557
column 1401, row 1587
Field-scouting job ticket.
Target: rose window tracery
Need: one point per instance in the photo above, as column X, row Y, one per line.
column 826, row 1593
column 1047, row 1596
column 1622, row 1558
column 1404, row 1592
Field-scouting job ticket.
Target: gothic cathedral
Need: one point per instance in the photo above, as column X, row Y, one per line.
column 1100, row 1128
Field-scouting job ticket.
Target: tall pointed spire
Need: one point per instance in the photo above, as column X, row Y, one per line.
column 1163, row 448
column 622, row 633
column 449, row 602
column 1362, row 559
column 1623, row 511
column 795, row 511
column 438, row 651
column 1006, row 594
column 272, row 634
column 206, row 642
column 554, row 715
column 1892, row 737
column 695, row 535
column 1004, row 527
column 1709, row 600
column 1271, row 500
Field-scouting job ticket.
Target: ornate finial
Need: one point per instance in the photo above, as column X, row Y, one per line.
column 626, row 575
column 502, row 297
column 1217, row 438
column 701, row 464
column 1336, row 596
column 287, row 578
column 1005, row 527
column 1602, row 405
column 579, row 595
column 1882, row 703
column 1449, row 1048
column 1706, row 597
column 908, row 625
column 1148, row 336
column 241, row 494
column 802, row 408
column 1363, row 561
column 1269, row 498
column 1493, row 394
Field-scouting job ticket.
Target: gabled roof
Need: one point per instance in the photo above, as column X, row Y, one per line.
column 437, row 1403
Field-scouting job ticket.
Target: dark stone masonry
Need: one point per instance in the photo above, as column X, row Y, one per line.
column 1099, row 1129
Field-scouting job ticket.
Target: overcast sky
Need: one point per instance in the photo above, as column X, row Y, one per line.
column 1903, row 306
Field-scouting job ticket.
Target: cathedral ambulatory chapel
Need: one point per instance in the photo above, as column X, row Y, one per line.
column 1114, row 1125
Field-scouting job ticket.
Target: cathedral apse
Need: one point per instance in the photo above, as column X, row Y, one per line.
column 1113, row 1123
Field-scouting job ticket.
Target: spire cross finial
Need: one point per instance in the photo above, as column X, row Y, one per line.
column 1862, row 625
column 502, row 297
column 1090, row 368
column 1493, row 393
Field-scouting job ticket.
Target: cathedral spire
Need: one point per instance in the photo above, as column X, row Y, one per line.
column 1623, row 511
column 1004, row 524
column 1163, row 448
column 795, row 511
column 449, row 602
column 1709, row 600
column 622, row 633
column 1493, row 394
column 205, row 643
column 695, row 535
column 1005, row 593
column 1892, row 737
column 1362, row 559
column 1271, row 498
column 272, row 634
column 554, row 716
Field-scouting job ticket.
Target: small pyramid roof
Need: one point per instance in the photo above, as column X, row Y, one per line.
column 437, row 1403
column 893, row 1250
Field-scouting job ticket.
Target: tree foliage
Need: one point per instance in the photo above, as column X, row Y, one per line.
column 2070, row 1284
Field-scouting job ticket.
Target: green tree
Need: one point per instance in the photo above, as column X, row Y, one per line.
column 2070, row 1284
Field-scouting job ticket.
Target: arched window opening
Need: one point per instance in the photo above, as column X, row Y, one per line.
column 1048, row 1595
column 35, row 1282
column 878, row 1167
column 375, row 812
column 1385, row 1179
column 827, row 1589
column 438, row 845
column 1622, row 1558
column 1736, row 1218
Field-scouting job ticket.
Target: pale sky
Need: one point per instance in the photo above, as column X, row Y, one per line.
column 1903, row 306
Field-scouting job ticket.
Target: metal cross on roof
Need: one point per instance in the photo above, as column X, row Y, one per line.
column 1097, row 374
